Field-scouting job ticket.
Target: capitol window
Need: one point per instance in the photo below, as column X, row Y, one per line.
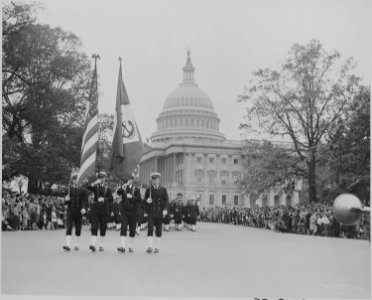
column 212, row 178
column 224, row 202
column 236, row 161
column 236, row 179
column 211, row 199
column 211, row 160
column 199, row 159
column 224, row 179
column 236, row 200
column 224, row 160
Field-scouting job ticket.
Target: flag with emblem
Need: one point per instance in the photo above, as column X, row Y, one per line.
column 127, row 146
column 89, row 145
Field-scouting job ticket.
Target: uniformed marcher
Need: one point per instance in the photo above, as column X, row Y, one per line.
column 131, row 199
column 157, row 207
column 177, row 211
column 76, row 201
column 102, row 196
column 192, row 212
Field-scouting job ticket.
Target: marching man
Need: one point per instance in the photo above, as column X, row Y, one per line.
column 131, row 199
column 156, row 206
column 177, row 211
column 192, row 212
column 76, row 202
column 102, row 196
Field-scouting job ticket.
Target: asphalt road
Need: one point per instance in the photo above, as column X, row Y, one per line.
column 216, row 261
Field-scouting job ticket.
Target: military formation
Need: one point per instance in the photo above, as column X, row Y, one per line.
column 130, row 214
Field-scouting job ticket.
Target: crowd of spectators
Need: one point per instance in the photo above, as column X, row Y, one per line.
column 310, row 219
column 30, row 212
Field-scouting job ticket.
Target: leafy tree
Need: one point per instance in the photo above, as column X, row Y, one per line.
column 267, row 165
column 45, row 85
column 301, row 101
column 105, row 134
column 349, row 145
column 17, row 16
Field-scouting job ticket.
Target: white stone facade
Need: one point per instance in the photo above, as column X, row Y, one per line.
column 193, row 157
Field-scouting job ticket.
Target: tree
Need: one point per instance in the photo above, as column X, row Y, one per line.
column 17, row 16
column 349, row 149
column 45, row 86
column 267, row 165
column 105, row 134
column 301, row 101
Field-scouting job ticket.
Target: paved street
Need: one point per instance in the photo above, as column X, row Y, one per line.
column 217, row 260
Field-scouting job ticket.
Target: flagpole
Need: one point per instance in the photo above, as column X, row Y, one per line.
column 96, row 56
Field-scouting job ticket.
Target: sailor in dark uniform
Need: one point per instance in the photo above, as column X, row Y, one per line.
column 76, row 201
column 177, row 211
column 157, row 207
column 102, row 196
column 131, row 199
column 192, row 212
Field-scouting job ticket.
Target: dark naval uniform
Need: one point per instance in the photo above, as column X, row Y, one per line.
column 154, row 210
column 100, row 209
column 129, row 209
column 191, row 213
column 177, row 211
column 78, row 201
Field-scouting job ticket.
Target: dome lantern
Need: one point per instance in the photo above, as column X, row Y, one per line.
column 188, row 70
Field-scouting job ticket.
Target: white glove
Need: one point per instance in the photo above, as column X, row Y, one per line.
column 82, row 211
column 100, row 199
column 149, row 200
column 129, row 195
column 98, row 181
column 164, row 212
column 67, row 198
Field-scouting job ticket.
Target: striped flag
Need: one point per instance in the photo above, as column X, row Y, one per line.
column 89, row 145
column 127, row 146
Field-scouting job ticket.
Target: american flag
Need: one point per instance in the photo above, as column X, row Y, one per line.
column 89, row 145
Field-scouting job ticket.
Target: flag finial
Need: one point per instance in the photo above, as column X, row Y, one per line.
column 95, row 56
column 120, row 59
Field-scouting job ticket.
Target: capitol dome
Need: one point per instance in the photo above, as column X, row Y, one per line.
column 187, row 112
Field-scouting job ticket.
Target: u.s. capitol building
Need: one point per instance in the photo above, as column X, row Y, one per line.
column 192, row 155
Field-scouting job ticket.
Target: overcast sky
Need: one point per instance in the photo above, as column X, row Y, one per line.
column 228, row 39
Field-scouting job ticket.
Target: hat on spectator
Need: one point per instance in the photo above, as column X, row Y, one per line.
column 155, row 175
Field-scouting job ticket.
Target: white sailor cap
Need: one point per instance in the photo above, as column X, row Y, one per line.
column 155, row 175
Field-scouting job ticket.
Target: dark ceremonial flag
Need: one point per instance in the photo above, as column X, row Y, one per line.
column 127, row 146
